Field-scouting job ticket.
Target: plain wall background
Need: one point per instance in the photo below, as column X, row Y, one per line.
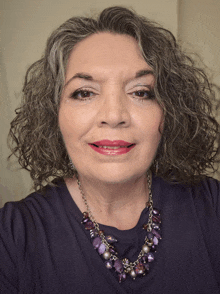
column 26, row 25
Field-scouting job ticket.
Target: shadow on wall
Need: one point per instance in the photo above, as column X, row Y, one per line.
column 14, row 182
column 5, row 192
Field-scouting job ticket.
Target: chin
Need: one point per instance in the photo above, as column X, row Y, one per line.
column 115, row 176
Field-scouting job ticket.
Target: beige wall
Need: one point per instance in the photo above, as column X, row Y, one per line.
column 25, row 26
column 199, row 32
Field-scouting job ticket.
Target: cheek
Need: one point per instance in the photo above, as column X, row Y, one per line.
column 67, row 123
column 73, row 123
column 151, row 123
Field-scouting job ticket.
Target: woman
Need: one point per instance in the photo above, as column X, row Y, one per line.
column 117, row 120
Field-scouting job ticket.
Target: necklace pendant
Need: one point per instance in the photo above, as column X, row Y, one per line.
column 93, row 233
column 140, row 269
column 156, row 219
column 89, row 225
column 150, row 257
column 112, row 250
column 108, row 264
column 85, row 214
column 101, row 249
column 156, row 234
column 118, row 265
column 101, row 232
column 133, row 274
column 155, row 226
column 145, row 248
column 111, row 239
column 127, row 268
column 96, row 242
column 121, row 277
column 106, row 255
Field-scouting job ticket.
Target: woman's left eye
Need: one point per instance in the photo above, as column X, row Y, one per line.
column 143, row 94
column 82, row 94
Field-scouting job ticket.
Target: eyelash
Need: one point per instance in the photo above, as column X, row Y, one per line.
column 150, row 94
column 75, row 95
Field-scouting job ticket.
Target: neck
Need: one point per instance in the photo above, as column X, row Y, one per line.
column 113, row 204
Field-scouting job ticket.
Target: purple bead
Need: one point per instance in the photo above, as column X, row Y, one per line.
column 156, row 234
column 118, row 266
column 156, row 219
column 113, row 251
column 101, row 248
column 150, row 257
column 97, row 242
column 139, row 269
column 85, row 220
column 156, row 211
column 155, row 240
column 155, row 226
column 89, row 225
column 147, row 266
column 145, row 258
column 150, row 235
column 110, row 239
column 121, row 277
column 108, row 264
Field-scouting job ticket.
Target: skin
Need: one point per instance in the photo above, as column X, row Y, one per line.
column 112, row 109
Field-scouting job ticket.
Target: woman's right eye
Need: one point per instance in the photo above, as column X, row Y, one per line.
column 82, row 94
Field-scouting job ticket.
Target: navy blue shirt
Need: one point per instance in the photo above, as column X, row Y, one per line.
column 44, row 248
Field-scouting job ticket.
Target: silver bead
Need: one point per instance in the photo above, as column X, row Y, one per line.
column 150, row 243
column 108, row 264
column 133, row 274
column 145, row 248
column 106, row 255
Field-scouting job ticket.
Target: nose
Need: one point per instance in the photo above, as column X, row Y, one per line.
column 114, row 110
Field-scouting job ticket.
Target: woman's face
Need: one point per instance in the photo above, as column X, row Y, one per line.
column 108, row 95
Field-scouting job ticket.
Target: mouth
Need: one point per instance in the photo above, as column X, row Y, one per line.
column 107, row 147
column 112, row 147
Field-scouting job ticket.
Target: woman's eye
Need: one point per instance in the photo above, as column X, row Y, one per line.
column 82, row 94
column 144, row 94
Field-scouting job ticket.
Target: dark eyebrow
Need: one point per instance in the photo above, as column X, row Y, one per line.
column 79, row 76
column 143, row 72
column 140, row 73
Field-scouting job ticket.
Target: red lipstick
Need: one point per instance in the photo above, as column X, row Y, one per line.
column 108, row 147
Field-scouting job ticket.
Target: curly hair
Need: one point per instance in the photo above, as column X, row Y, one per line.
column 190, row 139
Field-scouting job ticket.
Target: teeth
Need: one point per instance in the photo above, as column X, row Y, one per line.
column 112, row 147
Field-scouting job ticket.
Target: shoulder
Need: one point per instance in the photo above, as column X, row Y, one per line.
column 37, row 198
column 204, row 196
column 207, row 193
column 208, row 188
column 17, row 215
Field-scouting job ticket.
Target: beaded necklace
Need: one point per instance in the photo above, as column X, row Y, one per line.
column 104, row 244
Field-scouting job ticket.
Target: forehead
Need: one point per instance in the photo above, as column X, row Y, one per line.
column 106, row 53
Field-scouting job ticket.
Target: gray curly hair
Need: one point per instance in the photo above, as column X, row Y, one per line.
column 190, row 139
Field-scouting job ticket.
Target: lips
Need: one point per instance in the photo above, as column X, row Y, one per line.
column 108, row 147
column 108, row 143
